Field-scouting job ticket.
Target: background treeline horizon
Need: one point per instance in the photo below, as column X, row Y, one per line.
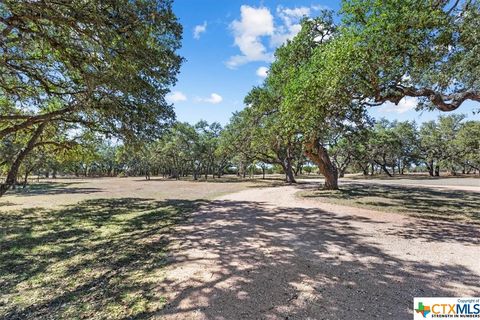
column 449, row 145
column 74, row 74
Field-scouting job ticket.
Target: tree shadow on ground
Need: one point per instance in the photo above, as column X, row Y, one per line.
column 421, row 202
column 257, row 180
column 6, row 204
column 51, row 188
column 105, row 259
column 97, row 259
column 438, row 231
column 256, row 262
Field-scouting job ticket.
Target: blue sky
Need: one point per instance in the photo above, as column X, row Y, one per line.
column 228, row 45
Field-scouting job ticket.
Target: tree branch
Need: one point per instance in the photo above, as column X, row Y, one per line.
column 32, row 120
column 443, row 102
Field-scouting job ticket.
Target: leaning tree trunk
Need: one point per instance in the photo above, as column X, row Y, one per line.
column 384, row 168
column 12, row 173
column 287, row 167
column 319, row 155
column 341, row 169
column 28, row 171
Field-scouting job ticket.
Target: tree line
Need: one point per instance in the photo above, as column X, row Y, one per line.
column 449, row 144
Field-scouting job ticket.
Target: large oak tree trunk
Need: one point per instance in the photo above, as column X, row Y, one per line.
column 288, row 170
column 319, row 155
column 12, row 173
column 430, row 168
column 287, row 167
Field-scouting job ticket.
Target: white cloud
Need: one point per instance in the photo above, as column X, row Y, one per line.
column 291, row 18
column 406, row 104
column 318, row 7
column 289, row 15
column 257, row 24
column 214, row 98
column 199, row 29
column 262, row 72
column 254, row 24
column 176, row 96
column 284, row 34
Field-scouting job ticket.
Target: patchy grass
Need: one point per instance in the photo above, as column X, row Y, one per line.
column 53, row 194
column 418, row 201
column 51, row 188
column 425, row 178
column 98, row 259
column 91, row 248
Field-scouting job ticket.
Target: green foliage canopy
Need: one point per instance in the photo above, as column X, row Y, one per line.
column 106, row 65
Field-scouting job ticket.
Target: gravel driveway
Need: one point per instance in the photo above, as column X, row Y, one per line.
column 266, row 254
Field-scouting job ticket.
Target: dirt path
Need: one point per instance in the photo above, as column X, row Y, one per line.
column 265, row 254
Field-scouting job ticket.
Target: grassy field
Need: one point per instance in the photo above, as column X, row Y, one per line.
column 422, row 202
column 97, row 248
column 92, row 249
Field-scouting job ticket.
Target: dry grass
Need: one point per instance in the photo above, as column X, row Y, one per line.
column 92, row 249
column 51, row 194
column 418, row 201
column 97, row 248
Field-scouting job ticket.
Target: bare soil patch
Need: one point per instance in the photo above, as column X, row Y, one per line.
column 267, row 254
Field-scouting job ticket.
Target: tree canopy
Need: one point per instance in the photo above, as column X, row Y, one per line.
column 323, row 81
column 387, row 50
column 104, row 66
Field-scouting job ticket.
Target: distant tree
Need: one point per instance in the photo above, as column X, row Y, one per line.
column 468, row 142
column 408, row 152
column 384, row 146
column 349, row 149
column 438, row 145
column 272, row 141
column 179, row 150
column 308, row 169
column 449, row 127
column 206, row 146
column 236, row 141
